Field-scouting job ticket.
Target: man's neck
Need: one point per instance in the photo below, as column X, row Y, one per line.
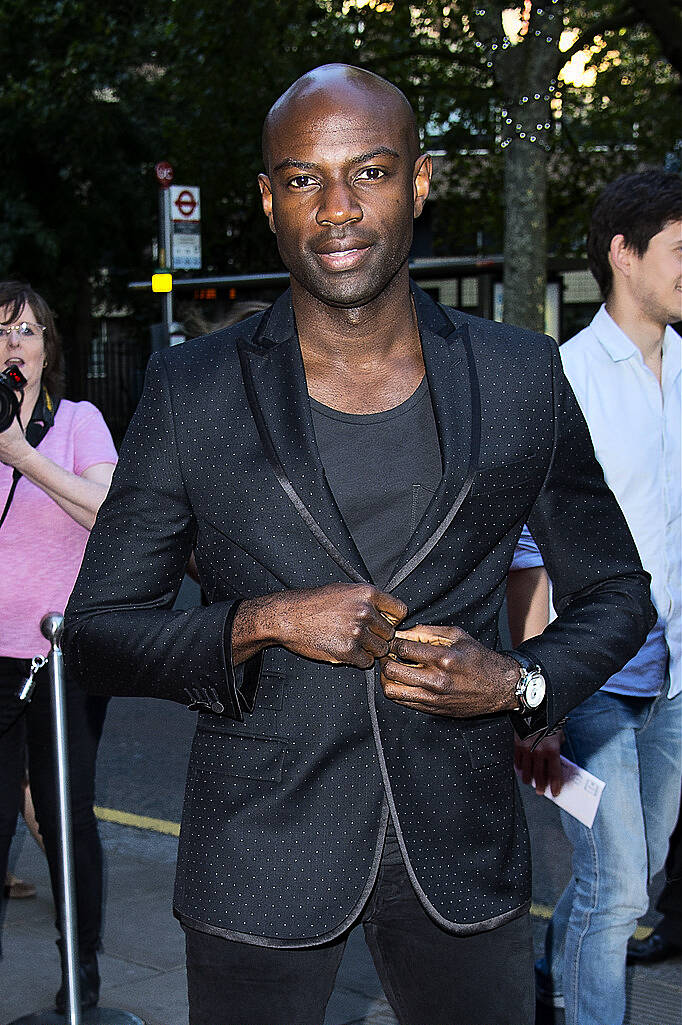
column 360, row 360
column 642, row 331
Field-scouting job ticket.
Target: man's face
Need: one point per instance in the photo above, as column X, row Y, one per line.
column 656, row 277
column 342, row 193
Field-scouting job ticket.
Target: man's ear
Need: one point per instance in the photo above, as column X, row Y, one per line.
column 621, row 255
column 266, row 200
column 423, row 169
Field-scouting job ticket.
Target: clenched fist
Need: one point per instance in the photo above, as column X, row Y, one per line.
column 351, row 624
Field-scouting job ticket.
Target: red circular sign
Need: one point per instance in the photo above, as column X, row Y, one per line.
column 186, row 203
column 164, row 174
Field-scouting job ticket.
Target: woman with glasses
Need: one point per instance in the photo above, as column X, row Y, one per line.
column 56, row 462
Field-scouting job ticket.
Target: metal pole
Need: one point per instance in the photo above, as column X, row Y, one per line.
column 165, row 259
column 52, row 626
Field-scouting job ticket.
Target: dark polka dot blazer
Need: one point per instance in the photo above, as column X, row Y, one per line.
column 296, row 764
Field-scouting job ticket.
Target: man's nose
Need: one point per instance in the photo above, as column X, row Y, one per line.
column 339, row 205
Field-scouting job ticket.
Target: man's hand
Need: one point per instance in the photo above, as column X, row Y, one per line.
column 543, row 764
column 449, row 673
column 351, row 624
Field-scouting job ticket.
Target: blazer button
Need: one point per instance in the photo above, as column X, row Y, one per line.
column 204, row 699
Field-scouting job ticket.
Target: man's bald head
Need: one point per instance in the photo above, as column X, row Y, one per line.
column 341, row 85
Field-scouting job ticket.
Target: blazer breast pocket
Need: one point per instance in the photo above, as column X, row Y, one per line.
column 514, row 476
column 220, row 755
column 227, row 568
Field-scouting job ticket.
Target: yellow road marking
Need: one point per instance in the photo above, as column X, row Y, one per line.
column 126, row 818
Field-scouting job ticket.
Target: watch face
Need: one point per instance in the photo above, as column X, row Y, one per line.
column 535, row 690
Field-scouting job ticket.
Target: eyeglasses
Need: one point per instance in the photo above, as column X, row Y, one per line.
column 26, row 329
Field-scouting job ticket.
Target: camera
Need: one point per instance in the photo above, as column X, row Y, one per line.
column 11, row 381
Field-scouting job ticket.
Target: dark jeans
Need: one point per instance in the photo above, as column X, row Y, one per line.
column 430, row 977
column 32, row 734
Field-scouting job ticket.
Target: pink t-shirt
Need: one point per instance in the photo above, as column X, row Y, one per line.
column 41, row 547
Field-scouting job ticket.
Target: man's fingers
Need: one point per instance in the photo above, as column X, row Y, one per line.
column 422, row 653
column 540, row 773
column 380, row 626
column 393, row 609
column 376, row 645
column 555, row 773
column 524, row 763
column 414, row 677
column 410, row 696
column 361, row 659
column 447, row 635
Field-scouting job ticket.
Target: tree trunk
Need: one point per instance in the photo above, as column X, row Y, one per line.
column 525, row 234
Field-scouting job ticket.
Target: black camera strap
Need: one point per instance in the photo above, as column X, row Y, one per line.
column 42, row 418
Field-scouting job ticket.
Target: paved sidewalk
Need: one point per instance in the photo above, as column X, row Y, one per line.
column 142, row 964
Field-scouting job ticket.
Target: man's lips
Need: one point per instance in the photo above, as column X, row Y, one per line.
column 342, row 254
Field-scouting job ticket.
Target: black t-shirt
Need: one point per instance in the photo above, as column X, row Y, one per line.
column 383, row 469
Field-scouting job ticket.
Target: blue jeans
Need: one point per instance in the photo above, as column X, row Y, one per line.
column 635, row 746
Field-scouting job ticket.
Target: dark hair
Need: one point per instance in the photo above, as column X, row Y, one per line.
column 14, row 296
column 636, row 206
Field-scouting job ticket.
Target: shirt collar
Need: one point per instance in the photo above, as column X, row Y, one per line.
column 612, row 337
column 619, row 346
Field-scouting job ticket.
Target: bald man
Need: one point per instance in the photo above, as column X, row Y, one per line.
column 352, row 469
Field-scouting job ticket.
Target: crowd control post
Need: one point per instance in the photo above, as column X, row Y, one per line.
column 52, row 625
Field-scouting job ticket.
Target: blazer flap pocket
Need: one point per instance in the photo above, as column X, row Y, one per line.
column 247, row 757
column 489, row 741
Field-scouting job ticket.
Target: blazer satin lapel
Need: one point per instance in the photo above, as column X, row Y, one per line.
column 275, row 385
column 453, row 383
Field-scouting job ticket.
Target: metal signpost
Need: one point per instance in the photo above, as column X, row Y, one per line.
column 179, row 246
column 164, row 279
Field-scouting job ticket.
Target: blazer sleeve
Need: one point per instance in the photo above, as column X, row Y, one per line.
column 121, row 635
column 600, row 591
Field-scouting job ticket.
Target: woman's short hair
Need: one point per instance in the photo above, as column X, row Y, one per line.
column 14, row 296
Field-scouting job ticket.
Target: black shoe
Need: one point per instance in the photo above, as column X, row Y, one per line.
column 651, row 950
column 89, row 985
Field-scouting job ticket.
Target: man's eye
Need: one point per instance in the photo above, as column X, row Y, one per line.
column 371, row 174
column 301, row 181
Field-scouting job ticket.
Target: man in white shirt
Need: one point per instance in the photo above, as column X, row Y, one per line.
column 625, row 370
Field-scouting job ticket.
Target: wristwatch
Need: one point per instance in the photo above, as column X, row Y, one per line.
column 531, row 687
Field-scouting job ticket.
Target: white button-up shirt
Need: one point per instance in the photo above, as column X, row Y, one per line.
column 636, row 427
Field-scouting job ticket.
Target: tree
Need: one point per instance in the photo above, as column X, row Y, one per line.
column 522, row 55
column 485, row 77
column 109, row 90
column 80, row 105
